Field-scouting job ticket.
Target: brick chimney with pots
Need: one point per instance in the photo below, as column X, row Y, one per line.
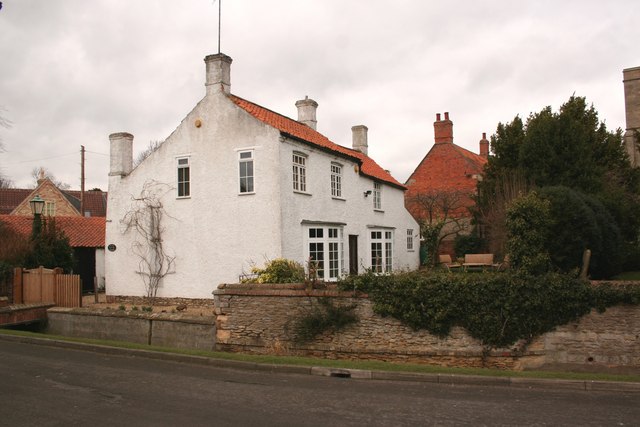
column 307, row 112
column 443, row 129
column 359, row 139
column 484, row 146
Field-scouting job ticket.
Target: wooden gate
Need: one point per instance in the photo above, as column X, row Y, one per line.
column 43, row 285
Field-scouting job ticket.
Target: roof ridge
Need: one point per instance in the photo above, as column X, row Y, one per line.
column 298, row 130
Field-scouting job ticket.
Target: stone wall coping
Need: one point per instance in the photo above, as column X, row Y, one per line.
column 283, row 290
column 170, row 317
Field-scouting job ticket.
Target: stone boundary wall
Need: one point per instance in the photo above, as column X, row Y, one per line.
column 258, row 318
column 158, row 329
column 163, row 302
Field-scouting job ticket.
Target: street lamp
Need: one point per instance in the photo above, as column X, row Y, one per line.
column 37, row 206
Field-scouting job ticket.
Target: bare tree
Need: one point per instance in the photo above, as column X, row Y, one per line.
column 492, row 212
column 441, row 214
column 5, row 123
column 153, row 146
column 40, row 172
column 145, row 219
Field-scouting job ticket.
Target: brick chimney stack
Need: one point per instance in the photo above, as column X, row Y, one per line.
column 359, row 139
column 443, row 129
column 307, row 112
column 484, row 146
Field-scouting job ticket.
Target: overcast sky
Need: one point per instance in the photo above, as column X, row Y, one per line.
column 74, row 71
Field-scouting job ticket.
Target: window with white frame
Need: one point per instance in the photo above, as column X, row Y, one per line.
column 377, row 195
column 49, row 209
column 245, row 159
column 336, row 180
column 325, row 251
column 299, row 172
column 381, row 251
column 184, row 177
column 409, row 239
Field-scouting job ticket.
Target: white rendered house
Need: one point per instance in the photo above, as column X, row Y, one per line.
column 240, row 184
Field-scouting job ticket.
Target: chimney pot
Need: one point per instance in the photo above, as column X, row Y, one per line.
column 307, row 112
column 446, row 115
column 437, row 117
column 360, row 139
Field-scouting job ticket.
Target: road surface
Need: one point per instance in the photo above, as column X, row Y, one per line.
column 49, row 386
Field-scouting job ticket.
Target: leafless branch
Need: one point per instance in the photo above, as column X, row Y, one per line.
column 145, row 220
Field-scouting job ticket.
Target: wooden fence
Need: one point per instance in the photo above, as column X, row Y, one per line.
column 43, row 285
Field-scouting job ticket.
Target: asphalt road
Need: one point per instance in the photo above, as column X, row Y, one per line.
column 49, row 386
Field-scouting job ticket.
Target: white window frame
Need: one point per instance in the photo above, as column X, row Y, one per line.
column 184, row 185
column 299, row 163
column 381, row 250
column 245, row 158
column 410, row 240
column 377, row 196
column 327, row 240
column 336, row 180
column 49, row 209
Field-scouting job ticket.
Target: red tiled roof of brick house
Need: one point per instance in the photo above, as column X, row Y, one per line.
column 95, row 201
column 83, row 232
column 447, row 168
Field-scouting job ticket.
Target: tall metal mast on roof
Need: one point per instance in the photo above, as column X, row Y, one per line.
column 219, row 22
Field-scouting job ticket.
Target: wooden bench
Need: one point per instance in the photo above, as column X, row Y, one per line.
column 478, row 262
column 445, row 261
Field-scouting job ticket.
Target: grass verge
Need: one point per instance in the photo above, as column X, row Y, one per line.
column 346, row 364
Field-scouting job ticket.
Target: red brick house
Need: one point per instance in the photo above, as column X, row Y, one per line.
column 444, row 183
column 86, row 232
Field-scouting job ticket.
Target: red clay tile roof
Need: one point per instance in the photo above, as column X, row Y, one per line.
column 95, row 201
column 446, row 167
column 300, row 131
column 10, row 198
column 82, row 231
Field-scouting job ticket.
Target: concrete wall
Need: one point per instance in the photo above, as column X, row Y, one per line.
column 597, row 341
column 162, row 330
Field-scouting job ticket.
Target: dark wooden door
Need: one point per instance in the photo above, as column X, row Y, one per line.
column 353, row 254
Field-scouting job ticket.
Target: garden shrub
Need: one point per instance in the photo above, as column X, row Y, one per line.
column 467, row 244
column 279, row 270
column 498, row 309
column 528, row 223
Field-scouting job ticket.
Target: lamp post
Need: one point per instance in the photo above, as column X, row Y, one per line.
column 37, row 206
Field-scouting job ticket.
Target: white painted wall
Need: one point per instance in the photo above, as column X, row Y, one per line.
column 216, row 234
column 354, row 210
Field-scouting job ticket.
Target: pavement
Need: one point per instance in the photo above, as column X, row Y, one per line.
column 451, row 379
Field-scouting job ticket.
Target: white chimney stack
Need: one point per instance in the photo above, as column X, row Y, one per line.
column 121, row 150
column 218, row 73
column 307, row 112
column 359, row 138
